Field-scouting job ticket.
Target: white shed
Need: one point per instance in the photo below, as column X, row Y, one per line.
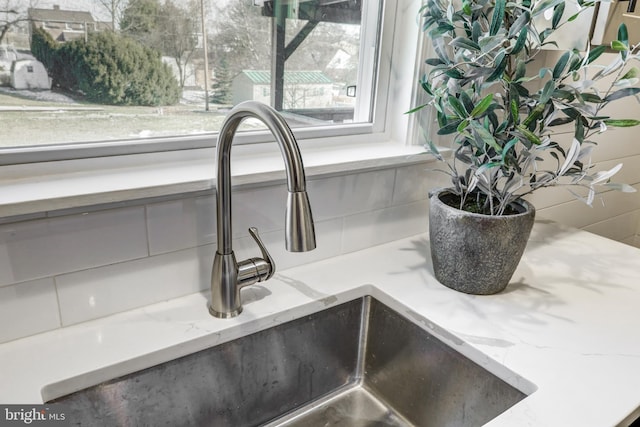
column 7, row 55
column 302, row 89
column 29, row 74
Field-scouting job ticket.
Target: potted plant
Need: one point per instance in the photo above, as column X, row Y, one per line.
column 506, row 112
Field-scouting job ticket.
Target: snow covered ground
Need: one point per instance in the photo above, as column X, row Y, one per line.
column 48, row 117
column 39, row 95
column 189, row 96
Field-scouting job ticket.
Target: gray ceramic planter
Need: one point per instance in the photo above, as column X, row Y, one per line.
column 475, row 253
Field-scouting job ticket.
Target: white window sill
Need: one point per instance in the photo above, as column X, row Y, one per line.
column 33, row 190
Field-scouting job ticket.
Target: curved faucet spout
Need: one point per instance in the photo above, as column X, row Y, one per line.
column 228, row 275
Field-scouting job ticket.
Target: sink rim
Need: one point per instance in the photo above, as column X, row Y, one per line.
column 243, row 326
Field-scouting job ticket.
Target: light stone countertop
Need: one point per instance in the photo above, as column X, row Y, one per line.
column 566, row 331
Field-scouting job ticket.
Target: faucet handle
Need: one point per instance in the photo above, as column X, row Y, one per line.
column 253, row 231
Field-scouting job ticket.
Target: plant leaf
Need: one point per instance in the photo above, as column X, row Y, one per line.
column 476, row 31
column 618, row 46
column 501, row 65
column 622, row 123
column 558, row 10
column 573, row 17
column 433, row 61
column 621, row 93
column 485, row 136
column 590, row 97
column 466, row 101
column 521, row 69
column 544, row 5
column 418, row 108
column 498, row 17
column 454, row 73
column 575, row 63
column 579, row 133
column 441, row 50
column 457, row 107
column 605, row 175
column 482, row 106
column 486, row 166
column 623, row 37
column 623, row 34
column 561, row 121
column 547, row 92
column 595, row 53
column 625, row 188
column 434, row 150
column 632, row 73
column 529, row 135
column 464, row 43
column 514, row 111
column 508, row 146
column 520, row 42
column 449, row 128
column 519, row 24
column 571, row 157
column 542, row 71
column 560, row 65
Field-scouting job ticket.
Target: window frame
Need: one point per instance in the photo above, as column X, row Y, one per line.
column 36, row 182
column 374, row 104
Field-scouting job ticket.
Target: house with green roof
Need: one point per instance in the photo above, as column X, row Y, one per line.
column 302, row 89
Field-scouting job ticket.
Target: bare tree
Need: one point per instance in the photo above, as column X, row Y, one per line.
column 178, row 34
column 241, row 36
column 115, row 8
column 172, row 28
column 12, row 13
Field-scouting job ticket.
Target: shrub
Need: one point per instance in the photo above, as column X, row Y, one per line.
column 112, row 69
column 43, row 47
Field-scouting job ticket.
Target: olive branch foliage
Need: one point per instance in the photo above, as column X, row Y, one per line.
column 478, row 82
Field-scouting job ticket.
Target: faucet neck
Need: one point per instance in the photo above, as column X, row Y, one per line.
column 288, row 148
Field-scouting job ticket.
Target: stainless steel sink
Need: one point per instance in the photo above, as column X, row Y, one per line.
column 356, row 364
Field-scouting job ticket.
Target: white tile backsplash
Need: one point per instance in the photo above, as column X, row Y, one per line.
column 376, row 227
column 101, row 262
column 98, row 292
column 618, row 227
column 94, row 264
column 28, row 308
column 348, row 194
column 260, row 207
column 413, row 183
column 45, row 247
column 181, row 224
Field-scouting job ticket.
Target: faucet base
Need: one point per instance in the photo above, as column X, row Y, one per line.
column 226, row 315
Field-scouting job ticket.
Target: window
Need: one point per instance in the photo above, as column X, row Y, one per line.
column 314, row 53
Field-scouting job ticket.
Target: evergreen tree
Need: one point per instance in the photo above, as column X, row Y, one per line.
column 221, row 88
column 110, row 69
column 43, row 47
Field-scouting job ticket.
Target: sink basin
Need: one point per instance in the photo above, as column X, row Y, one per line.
column 355, row 364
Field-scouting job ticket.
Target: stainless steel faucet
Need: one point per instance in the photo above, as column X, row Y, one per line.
column 228, row 275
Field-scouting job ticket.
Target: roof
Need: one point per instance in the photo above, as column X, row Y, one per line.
column 290, row 77
column 59, row 15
